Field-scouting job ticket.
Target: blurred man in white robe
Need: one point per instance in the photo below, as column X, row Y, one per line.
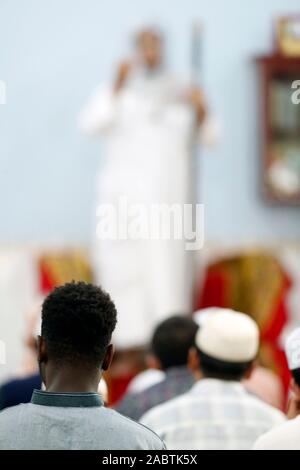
column 150, row 122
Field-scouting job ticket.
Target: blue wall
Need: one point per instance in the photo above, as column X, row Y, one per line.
column 52, row 54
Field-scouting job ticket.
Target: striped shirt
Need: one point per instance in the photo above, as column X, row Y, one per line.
column 213, row 415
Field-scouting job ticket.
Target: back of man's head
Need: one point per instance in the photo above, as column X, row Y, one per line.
column 293, row 354
column 78, row 320
column 172, row 340
column 227, row 344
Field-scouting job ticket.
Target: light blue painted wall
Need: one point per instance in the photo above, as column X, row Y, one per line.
column 53, row 53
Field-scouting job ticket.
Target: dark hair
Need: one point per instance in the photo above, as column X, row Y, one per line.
column 172, row 340
column 296, row 375
column 215, row 368
column 77, row 323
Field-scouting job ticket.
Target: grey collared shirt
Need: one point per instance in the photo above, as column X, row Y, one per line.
column 67, row 421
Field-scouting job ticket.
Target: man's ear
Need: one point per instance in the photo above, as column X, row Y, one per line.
column 109, row 354
column 295, row 388
column 251, row 369
column 41, row 348
column 152, row 362
column 194, row 361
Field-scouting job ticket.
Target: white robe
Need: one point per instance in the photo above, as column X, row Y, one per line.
column 149, row 132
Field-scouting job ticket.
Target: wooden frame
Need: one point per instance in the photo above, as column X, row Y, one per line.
column 272, row 68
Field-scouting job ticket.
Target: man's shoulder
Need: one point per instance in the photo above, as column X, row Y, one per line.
column 132, row 435
column 132, row 405
column 280, row 437
column 175, row 386
column 265, row 409
column 168, row 408
column 9, row 414
column 125, row 424
column 187, row 400
column 152, row 393
column 135, row 404
column 13, row 410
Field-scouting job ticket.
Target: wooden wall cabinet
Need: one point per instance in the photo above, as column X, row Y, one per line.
column 279, row 121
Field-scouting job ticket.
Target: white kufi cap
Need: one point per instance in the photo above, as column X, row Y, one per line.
column 292, row 350
column 228, row 336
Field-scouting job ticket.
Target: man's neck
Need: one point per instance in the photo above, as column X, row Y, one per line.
column 69, row 379
column 221, row 379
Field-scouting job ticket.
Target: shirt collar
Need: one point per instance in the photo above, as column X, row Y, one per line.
column 178, row 371
column 66, row 400
column 215, row 384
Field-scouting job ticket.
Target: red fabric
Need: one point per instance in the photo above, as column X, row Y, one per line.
column 279, row 316
column 46, row 282
column 117, row 387
column 271, row 333
column 215, row 293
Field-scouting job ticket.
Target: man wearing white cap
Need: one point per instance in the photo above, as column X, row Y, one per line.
column 217, row 413
column 287, row 436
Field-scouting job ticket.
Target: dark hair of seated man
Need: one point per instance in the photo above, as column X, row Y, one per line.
column 172, row 341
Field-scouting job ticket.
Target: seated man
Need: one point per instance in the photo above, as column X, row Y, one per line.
column 170, row 346
column 74, row 348
column 287, row 436
column 218, row 412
